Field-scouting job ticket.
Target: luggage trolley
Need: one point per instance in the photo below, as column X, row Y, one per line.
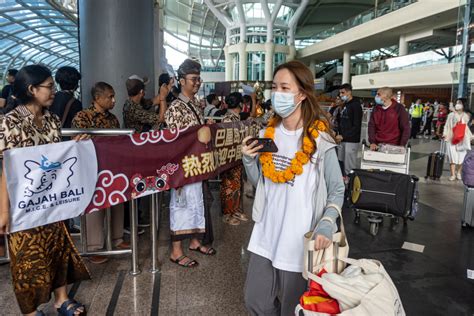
column 383, row 161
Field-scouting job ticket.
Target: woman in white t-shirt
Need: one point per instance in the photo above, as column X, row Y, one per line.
column 457, row 152
column 294, row 185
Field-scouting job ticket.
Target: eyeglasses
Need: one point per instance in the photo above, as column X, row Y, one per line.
column 51, row 87
column 195, row 79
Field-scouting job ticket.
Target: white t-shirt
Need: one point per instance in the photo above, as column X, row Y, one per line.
column 279, row 236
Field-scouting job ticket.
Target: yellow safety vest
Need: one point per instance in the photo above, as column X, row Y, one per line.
column 417, row 111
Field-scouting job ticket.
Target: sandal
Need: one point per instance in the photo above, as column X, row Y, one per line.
column 240, row 216
column 191, row 263
column 39, row 313
column 209, row 252
column 70, row 307
column 230, row 220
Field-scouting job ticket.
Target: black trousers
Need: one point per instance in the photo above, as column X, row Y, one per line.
column 415, row 126
column 428, row 126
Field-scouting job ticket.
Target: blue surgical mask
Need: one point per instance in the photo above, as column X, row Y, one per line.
column 344, row 98
column 284, row 103
column 378, row 100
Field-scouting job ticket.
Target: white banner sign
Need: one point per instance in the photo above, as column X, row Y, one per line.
column 45, row 181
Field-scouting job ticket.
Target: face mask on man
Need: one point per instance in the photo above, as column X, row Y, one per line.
column 284, row 103
column 458, row 107
column 378, row 100
column 344, row 98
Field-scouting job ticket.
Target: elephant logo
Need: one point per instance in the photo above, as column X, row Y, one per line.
column 42, row 175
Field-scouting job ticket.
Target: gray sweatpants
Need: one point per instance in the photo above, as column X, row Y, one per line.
column 347, row 153
column 269, row 291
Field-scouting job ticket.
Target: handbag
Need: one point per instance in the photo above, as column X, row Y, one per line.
column 459, row 130
column 339, row 248
column 381, row 299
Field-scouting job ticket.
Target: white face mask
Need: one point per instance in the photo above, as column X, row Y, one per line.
column 284, row 103
column 458, row 107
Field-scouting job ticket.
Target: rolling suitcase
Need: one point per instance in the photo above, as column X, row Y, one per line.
column 382, row 191
column 382, row 194
column 434, row 170
column 467, row 217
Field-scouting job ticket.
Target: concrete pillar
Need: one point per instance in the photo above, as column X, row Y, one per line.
column 229, row 68
column 242, row 61
column 346, row 67
column 116, row 41
column 269, row 56
column 402, row 46
column 312, row 67
column 292, row 53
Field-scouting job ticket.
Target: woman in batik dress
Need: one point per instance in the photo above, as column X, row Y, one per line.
column 43, row 259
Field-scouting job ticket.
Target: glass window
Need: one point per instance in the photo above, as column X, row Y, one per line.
column 256, row 66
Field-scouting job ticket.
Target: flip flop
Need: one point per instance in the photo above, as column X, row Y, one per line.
column 210, row 251
column 70, row 307
column 191, row 263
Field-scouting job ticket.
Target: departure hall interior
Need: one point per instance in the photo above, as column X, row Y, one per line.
column 237, row 157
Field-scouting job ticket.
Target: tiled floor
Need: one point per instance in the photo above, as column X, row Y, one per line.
column 430, row 283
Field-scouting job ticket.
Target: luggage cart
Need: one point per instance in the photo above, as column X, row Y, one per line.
column 385, row 162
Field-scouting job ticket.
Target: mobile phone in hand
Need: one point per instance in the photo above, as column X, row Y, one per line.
column 268, row 144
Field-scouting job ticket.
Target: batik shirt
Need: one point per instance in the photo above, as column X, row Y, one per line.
column 184, row 112
column 230, row 116
column 136, row 117
column 92, row 118
column 17, row 129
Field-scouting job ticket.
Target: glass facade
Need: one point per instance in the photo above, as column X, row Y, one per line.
column 38, row 32
column 256, row 66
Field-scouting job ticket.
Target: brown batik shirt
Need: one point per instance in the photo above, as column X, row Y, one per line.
column 92, row 118
column 136, row 117
column 184, row 112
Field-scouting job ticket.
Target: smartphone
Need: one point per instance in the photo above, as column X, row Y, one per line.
column 269, row 145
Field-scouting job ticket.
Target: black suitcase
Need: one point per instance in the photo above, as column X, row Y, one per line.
column 382, row 191
column 434, row 169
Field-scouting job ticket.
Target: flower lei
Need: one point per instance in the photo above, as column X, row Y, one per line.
column 302, row 157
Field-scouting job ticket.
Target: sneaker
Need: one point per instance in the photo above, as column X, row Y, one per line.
column 459, row 176
column 452, row 178
column 98, row 259
column 126, row 230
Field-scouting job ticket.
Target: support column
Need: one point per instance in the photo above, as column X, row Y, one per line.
column 242, row 61
column 292, row 53
column 402, row 46
column 228, row 64
column 312, row 67
column 346, row 67
column 116, row 41
column 269, row 56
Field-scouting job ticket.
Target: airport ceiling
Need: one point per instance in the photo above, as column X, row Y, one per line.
column 45, row 31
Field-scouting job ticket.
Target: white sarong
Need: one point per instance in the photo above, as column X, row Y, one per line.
column 187, row 211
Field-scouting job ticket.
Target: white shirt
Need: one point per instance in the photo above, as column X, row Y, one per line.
column 279, row 236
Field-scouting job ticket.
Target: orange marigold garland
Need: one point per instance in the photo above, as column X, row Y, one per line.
column 301, row 158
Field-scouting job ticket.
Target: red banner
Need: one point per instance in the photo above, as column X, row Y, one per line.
column 141, row 164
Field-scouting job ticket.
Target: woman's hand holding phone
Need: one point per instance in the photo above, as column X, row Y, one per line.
column 252, row 148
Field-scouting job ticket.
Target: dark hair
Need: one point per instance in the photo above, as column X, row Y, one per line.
column 188, row 67
column 68, row 78
column 233, row 100
column 99, row 89
column 134, row 86
column 211, row 97
column 463, row 101
column 175, row 89
column 310, row 109
column 32, row 75
column 12, row 72
column 247, row 99
column 164, row 78
column 346, row 86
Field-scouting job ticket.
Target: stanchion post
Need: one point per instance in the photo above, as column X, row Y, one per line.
column 84, row 233
column 154, row 209
column 108, row 228
column 134, row 237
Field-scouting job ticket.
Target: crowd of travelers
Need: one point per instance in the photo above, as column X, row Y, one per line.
column 33, row 112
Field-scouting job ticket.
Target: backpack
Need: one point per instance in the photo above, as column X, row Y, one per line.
column 468, row 169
